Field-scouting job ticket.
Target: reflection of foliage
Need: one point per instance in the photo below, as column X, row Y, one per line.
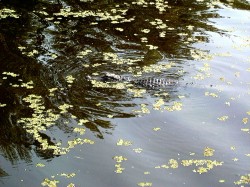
column 85, row 38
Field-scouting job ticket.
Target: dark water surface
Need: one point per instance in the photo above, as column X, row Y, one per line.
column 60, row 129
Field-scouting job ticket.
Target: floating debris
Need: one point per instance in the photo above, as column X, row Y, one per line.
column 121, row 142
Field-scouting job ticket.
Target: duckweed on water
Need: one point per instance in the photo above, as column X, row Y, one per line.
column 138, row 150
column 121, row 142
column 5, row 12
column 10, row 74
column 245, row 120
column 208, row 151
column 68, row 175
column 177, row 106
column 49, row 183
column 223, row 118
column 156, row 128
column 70, row 79
column 81, row 131
column 143, row 110
column 137, row 92
column 245, row 179
column 42, row 119
column 40, row 165
column 144, row 184
column 83, row 53
column 2, row 105
column 157, row 105
column 64, row 108
column 203, row 165
column 118, row 166
column 100, row 84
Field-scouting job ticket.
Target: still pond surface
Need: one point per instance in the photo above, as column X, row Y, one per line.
column 59, row 128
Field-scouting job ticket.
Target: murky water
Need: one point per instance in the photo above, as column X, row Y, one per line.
column 58, row 128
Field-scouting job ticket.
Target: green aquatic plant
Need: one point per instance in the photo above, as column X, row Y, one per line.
column 202, row 165
column 144, row 184
column 245, row 120
column 42, row 119
column 2, row 105
column 223, row 118
column 122, row 142
column 244, row 179
column 49, row 183
column 70, row 79
column 208, row 151
column 119, row 159
column 138, row 150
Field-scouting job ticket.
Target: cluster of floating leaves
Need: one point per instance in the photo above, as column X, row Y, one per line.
column 245, row 179
column 115, row 59
column 208, row 151
column 143, row 109
column 53, row 183
column 123, row 142
column 5, row 12
column 103, row 15
column 119, row 159
column 115, row 85
column 27, row 85
column 70, row 79
column 42, row 119
column 50, row 183
column 203, row 165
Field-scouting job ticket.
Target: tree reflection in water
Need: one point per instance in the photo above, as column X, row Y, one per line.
column 52, row 40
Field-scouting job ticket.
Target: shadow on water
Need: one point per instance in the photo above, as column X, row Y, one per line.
column 57, row 44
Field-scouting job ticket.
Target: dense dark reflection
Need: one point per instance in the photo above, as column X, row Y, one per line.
column 58, row 40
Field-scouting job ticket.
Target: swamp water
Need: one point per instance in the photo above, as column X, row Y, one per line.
column 59, row 129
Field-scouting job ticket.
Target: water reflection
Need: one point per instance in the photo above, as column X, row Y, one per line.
column 58, row 37
column 57, row 45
